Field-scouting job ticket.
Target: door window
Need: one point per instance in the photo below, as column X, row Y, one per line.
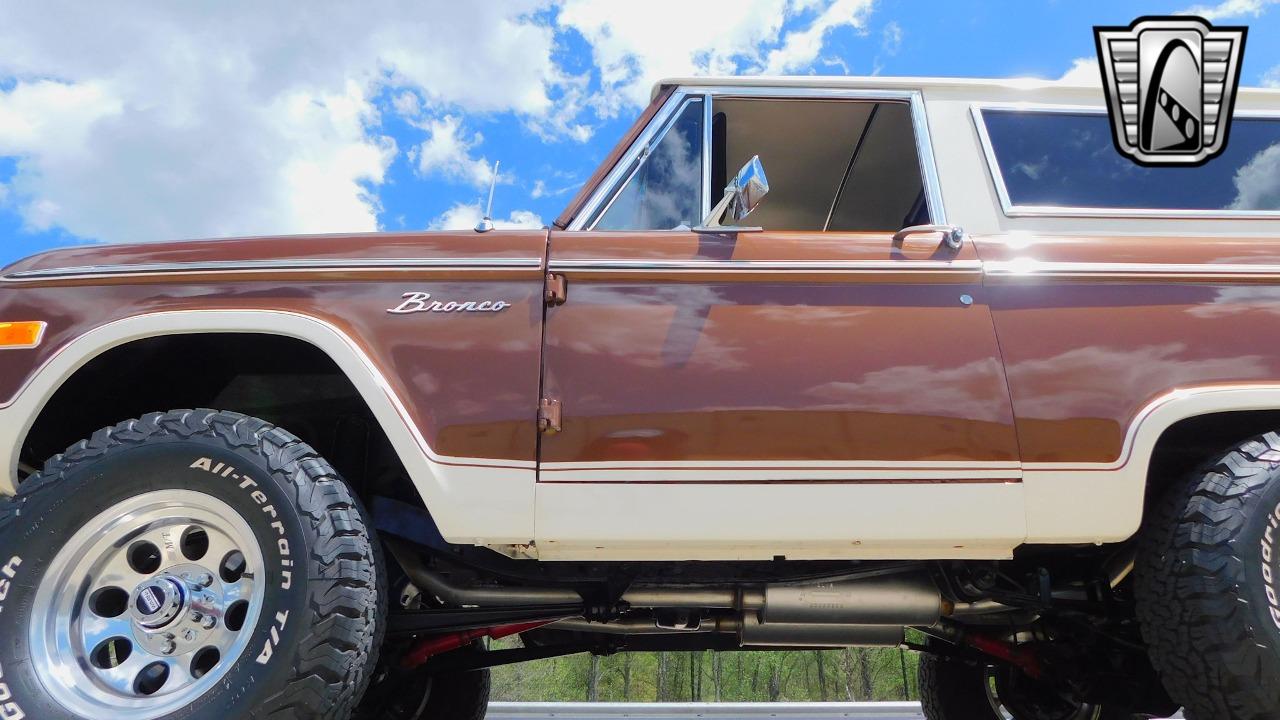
column 665, row 191
column 833, row 165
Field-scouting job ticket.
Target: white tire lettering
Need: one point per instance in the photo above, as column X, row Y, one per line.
column 9, row 708
column 269, row 648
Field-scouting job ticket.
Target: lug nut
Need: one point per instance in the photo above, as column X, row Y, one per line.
column 196, row 616
column 204, row 579
column 188, row 634
column 168, row 647
column 209, row 622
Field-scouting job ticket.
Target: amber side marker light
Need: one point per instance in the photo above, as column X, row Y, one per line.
column 18, row 335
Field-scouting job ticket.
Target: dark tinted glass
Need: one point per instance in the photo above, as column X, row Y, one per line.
column 1070, row 160
column 667, row 189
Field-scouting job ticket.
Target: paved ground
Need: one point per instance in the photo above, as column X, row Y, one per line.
column 693, row 711
column 690, row 711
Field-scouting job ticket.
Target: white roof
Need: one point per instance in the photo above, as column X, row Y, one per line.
column 978, row 87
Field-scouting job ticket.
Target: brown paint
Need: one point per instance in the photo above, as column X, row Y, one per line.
column 725, row 364
column 1084, row 355
column 665, row 364
column 468, row 380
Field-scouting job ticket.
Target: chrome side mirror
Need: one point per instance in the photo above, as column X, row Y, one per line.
column 741, row 197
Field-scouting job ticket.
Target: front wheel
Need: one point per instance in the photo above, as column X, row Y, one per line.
column 194, row 564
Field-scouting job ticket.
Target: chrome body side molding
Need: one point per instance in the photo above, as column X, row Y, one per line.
column 300, row 265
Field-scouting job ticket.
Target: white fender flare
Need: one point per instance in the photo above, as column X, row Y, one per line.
column 473, row 500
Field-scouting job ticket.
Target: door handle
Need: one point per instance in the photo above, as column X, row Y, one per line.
column 952, row 235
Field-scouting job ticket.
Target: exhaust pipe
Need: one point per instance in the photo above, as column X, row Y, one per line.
column 753, row 633
column 888, row 600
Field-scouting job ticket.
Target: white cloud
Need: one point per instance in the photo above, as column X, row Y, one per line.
column 1258, row 181
column 447, row 153
column 1229, row 9
column 464, row 216
column 146, row 122
column 636, row 44
column 407, row 104
column 801, row 47
column 891, row 38
column 1272, row 77
column 1083, row 71
column 136, row 122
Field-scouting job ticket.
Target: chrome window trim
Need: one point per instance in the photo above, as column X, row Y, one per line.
column 617, row 180
column 609, row 187
column 1016, row 211
column 707, row 117
column 252, row 266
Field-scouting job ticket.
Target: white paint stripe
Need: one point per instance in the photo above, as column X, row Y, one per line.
column 451, row 487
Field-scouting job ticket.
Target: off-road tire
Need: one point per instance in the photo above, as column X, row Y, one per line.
column 952, row 689
column 459, row 696
column 316, row 665
column 1208, row 613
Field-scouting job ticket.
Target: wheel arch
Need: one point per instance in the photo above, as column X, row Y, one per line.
column 1118, row 492
column 435, row 479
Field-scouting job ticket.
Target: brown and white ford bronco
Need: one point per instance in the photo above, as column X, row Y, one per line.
column 964, row 369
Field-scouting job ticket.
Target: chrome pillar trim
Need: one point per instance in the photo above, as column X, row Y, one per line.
column 628, row 163
column 707, row 116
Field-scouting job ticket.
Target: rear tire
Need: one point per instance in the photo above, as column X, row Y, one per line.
column 460, row 696
column 954, row 689
column 192, row 564
column 1207, row 579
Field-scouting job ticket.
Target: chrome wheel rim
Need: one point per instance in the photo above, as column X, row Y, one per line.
column 147, row 605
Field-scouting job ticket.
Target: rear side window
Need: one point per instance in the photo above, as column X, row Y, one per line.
column 1068, row 160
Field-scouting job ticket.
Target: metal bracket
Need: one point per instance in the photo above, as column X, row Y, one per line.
column 557, row 290
column 549, row 416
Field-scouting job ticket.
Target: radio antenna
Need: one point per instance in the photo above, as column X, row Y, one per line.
column 486, row 222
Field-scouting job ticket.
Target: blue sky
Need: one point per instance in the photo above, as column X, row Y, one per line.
column 165, row 121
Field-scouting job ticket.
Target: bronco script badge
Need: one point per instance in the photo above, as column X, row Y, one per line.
column 416, row 302
column 1171, row 86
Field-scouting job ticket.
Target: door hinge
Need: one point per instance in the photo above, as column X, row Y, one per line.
column 557, row 289
column 549, row 416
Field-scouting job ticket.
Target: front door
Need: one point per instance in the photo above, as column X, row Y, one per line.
column 818, row 392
